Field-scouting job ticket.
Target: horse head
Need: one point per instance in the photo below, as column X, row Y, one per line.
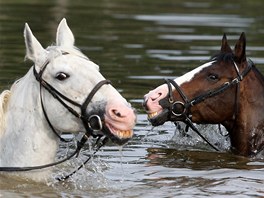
column 223, row 90
column 194, row 93
column 74, row 94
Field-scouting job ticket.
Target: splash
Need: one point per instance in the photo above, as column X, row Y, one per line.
column 213, row 133
column 121, row 163
column 89, row 177
column 150, row 131
column 176, row 135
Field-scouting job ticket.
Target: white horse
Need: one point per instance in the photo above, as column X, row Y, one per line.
column 33, row 114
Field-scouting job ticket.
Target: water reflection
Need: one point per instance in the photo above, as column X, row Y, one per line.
column 198, row 160
column 208, row 20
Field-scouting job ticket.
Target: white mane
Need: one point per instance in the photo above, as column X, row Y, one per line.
column 4, row 99
column 57, row 50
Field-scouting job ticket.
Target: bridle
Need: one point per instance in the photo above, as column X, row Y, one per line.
column 181, row 110
column 91, row 123
column 86, row 120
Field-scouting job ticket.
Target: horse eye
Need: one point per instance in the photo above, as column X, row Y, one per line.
column 62, row 76
column 213, row 77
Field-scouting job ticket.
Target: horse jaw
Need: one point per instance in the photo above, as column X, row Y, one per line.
column 117, row 115
column 152, row 99
column 120, row 120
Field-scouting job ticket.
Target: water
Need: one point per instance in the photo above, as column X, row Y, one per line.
column 137, row 44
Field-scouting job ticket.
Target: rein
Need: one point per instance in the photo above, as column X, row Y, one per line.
column 80, row 144
column 88, row 122
column 181, row 110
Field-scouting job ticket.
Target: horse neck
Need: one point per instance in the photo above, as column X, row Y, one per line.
column 246, row 132
column 26, row 139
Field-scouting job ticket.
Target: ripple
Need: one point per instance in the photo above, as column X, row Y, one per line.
column 179, row 58
column 198, row 20
column 150, row 77
column 195, row 37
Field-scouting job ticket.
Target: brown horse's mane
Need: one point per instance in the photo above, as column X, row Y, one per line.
column 226, row 57
column 230, row 57
column 259, row 75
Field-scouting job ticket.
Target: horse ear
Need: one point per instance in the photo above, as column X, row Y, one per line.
column 240, row 48
column 225, row 48
column 34, row 50
column 65, row 36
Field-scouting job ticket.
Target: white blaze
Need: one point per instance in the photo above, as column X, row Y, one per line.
column 189, row 76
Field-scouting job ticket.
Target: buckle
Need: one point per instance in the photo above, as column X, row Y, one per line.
column 95, row 123
column 178, row 108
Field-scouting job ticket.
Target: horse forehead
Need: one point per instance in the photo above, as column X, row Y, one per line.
column 189, row 75
column 74, row 60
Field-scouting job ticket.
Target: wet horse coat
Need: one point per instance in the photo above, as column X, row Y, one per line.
column 239, row 107
column 57, row 95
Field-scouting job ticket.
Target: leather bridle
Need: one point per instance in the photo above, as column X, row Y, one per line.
column 180, row 111
column 61, row 98
column 91, row 123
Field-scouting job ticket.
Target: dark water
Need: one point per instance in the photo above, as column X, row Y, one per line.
column 137, row 44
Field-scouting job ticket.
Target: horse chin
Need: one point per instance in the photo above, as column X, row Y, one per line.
column 117, row 136
column 159, row 118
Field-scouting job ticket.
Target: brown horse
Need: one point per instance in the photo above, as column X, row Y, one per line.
column 227, row 90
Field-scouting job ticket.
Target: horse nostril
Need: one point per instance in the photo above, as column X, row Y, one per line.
column 117, row 113
column 159, row 94
column 156, row 97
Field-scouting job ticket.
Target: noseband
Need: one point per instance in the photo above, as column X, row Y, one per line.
column 181, row 110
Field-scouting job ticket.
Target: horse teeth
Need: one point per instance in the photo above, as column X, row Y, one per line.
column 151, row 115
column 123, row 134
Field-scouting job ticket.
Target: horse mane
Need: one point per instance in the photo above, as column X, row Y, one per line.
column 230, row 57
column 4, row 99
column 259, row 75
column 55, row 50
column 226, row 57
